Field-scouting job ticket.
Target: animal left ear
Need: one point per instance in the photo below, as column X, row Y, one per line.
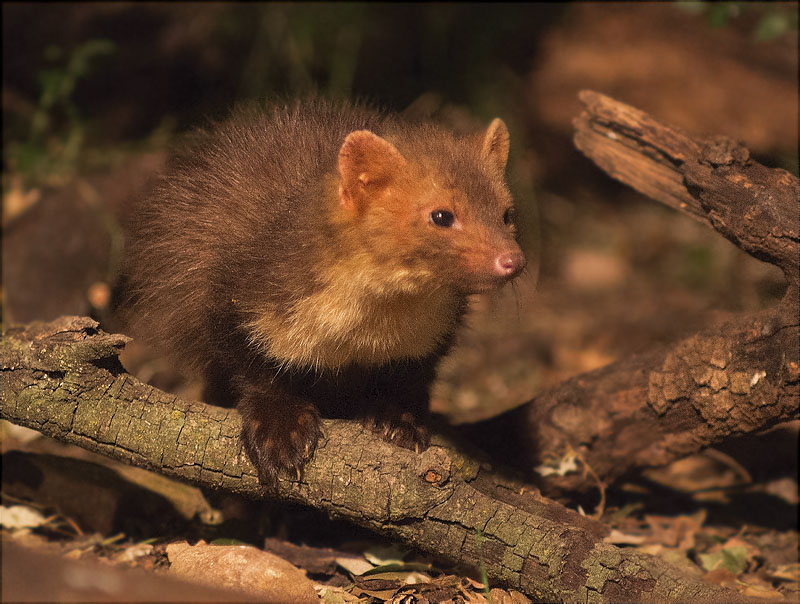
column 495, row 145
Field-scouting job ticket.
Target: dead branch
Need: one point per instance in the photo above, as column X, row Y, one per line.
column 63, row 378
column 651, row 409
column 715, row 181
column 731, row 379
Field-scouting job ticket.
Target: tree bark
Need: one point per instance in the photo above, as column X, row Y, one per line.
column 732, row 379
column 715, row 181
column 651, row 409
column 64, row 379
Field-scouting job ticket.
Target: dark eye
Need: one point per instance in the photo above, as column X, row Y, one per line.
column 442, row 218
column 509, row 216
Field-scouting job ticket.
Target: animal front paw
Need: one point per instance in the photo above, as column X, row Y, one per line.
column 399, row 428
column 281, row 440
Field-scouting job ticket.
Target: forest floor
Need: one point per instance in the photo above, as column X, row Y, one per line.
column 611, row 274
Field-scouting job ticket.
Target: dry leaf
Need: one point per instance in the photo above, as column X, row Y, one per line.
column 241, row 567
column 20, row 516
column 787, row 572
column 355, row 565
column 618, row 537
column 559, row 467
column 678, row 531
column 16, row 200
column 720, row 576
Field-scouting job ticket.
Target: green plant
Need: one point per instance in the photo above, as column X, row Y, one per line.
column 57, row 129
column 775, row 19
column 484, row 576
column 302, row 47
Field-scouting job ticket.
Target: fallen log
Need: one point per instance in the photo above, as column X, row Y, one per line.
column 733, row 378
column 64, row 379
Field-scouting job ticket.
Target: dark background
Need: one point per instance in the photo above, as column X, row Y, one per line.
column 95, row 94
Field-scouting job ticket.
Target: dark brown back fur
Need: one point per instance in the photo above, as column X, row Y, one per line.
column 234, row 217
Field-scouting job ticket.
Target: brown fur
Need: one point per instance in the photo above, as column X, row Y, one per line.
column 289, row 256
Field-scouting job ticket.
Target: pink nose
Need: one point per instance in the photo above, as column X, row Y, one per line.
column 509, row 264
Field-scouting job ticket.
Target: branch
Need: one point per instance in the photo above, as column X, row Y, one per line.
column 64, row 379
column 651, row 409
column 731, row 379
column 714, row 181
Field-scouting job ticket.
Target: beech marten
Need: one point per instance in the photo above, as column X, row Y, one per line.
column 315, row 259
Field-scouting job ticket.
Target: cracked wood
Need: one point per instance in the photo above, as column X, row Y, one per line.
column 734, row 378
column 63, row 379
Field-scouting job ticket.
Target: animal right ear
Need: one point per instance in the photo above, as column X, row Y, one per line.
column 366, row 163
column 495, row 145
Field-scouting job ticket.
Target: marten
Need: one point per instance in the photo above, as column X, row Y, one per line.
column 314, row 259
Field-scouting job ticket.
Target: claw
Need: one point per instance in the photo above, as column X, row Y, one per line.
column 280, row 444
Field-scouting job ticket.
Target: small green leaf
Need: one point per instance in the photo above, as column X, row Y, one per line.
column 772, row 25
column 227, row 541
column 720, row 14
column 734, row 559
column 694, row 7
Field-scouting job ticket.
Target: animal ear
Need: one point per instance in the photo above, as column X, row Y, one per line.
column 495, row 145
column 366, row 163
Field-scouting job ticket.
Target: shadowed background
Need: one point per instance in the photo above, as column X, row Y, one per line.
column 94, row 94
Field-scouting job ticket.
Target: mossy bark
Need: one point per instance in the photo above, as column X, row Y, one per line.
column 63, row 379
